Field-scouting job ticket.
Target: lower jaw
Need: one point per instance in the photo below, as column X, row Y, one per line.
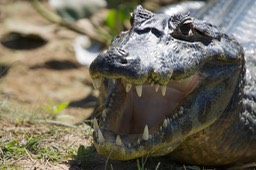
column 124, row 146
column 144, row 148
column 115, row 152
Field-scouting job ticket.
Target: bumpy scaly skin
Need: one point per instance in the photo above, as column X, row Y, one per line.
column 210, row 125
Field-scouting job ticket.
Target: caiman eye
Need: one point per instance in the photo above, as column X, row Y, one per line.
column 185, row 28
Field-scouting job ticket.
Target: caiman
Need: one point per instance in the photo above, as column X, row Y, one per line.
column 180, row 86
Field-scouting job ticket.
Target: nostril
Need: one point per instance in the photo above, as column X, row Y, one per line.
column 118, row 56
column 123, row 61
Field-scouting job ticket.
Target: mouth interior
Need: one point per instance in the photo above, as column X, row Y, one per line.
column 152, row 107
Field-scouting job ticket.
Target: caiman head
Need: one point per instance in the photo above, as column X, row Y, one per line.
column 166, row 78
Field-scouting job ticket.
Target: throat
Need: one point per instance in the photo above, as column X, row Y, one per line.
column 151, row 107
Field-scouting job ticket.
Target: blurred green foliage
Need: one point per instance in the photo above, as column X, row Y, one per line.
column 118, row 18
column 55, row 109
column 119, row 14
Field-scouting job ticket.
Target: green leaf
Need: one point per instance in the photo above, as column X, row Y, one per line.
column 110, row 19
column 117, row 17
column 60, row 107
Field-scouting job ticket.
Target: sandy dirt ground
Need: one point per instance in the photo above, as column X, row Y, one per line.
column 40, row 73
column 46, row 74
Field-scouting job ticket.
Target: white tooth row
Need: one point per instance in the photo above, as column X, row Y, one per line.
column 139, row 88
column 104, row 113
column 145, row 135
column 168, row 120
column 101, row 139
column 97, row 82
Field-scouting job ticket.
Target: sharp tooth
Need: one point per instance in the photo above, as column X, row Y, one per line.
column 157, row 87
column 118, row 140
column 161, row 128
column 175, row 116
column 181, row 108
column 145, row 135
column 139, row 90
column 165, row 123
column 104, row 113
column 95, row 125
column 97, row 83
column 100, row 137
column 128, row 87
column 114, row 81
column 138, row 141
column 168, row 120
column 180, row 113
column 163, row 90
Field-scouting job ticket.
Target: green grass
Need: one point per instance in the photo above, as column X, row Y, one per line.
column 52, row 145
column 27, row 140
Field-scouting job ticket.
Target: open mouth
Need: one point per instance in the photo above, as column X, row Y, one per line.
column 136, row 113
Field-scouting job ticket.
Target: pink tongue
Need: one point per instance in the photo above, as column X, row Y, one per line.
column 152, row 108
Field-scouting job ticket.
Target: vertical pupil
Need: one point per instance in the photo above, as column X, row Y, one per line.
column 184, row 28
